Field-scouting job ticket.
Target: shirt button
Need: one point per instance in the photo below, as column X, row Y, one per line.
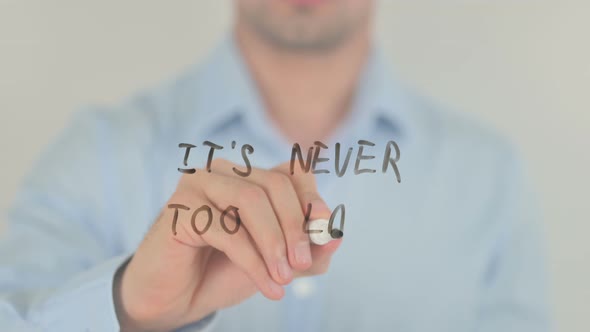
column 303, row 288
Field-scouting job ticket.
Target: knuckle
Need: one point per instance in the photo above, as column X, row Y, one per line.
column 278, row 181
column 192, row 182
column 182, row 194
column 309, row 178
column 310, row 196
column 250, row 194
column 219, row 162
column 186, row 180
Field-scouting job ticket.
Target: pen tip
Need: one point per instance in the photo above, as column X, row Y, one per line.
column 336, row 233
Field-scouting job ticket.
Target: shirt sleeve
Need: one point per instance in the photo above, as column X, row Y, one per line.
column 514, row 290
column 61, row 244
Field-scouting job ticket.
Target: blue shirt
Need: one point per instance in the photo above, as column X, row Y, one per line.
column 454, row 246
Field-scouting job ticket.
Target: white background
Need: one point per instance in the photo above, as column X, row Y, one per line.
column 522, row 65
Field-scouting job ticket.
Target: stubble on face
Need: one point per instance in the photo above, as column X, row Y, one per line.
column 318, row 27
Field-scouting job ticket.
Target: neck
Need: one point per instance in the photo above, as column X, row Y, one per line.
column 307, row 94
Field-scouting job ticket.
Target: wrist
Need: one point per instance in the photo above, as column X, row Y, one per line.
column 138, row 315
column 126, row 323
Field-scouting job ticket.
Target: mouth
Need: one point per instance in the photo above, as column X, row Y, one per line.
column 306, row 2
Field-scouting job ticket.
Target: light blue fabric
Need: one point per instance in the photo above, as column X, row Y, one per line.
column 454, row 247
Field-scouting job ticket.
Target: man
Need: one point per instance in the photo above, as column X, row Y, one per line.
column 104, row 234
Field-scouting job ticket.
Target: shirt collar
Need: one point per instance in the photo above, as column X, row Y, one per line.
column 225, row 92
column 380, row 102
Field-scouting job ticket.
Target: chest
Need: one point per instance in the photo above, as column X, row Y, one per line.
column 399, row 268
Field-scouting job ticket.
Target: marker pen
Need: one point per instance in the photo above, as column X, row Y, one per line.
column 323, row 237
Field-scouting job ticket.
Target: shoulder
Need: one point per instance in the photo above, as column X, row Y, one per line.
column 463, row 156
column 461, row 135
column 148, row 114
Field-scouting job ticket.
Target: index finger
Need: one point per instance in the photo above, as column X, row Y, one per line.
column 307, row 191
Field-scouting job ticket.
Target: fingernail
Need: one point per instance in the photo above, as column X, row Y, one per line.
column 284, row 269
column 275, row 288
column 302, row 253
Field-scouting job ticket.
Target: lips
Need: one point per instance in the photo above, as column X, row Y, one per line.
column 306, row 2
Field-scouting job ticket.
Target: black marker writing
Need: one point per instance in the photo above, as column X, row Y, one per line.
column 245, row 148
column 340, row 172
column 311, row 162
column 209, row 219
column 337, row 233
column 316, row 158
column 237, row 219
column 360, row 157
column 296, row 153
column 175, row 218
column 235, row 216
column 387, row 160
column 230, row 209
column 211, row 152
column 306, row 221
column 185, row 162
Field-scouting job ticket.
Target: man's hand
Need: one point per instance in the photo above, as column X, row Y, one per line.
column 173, row 280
